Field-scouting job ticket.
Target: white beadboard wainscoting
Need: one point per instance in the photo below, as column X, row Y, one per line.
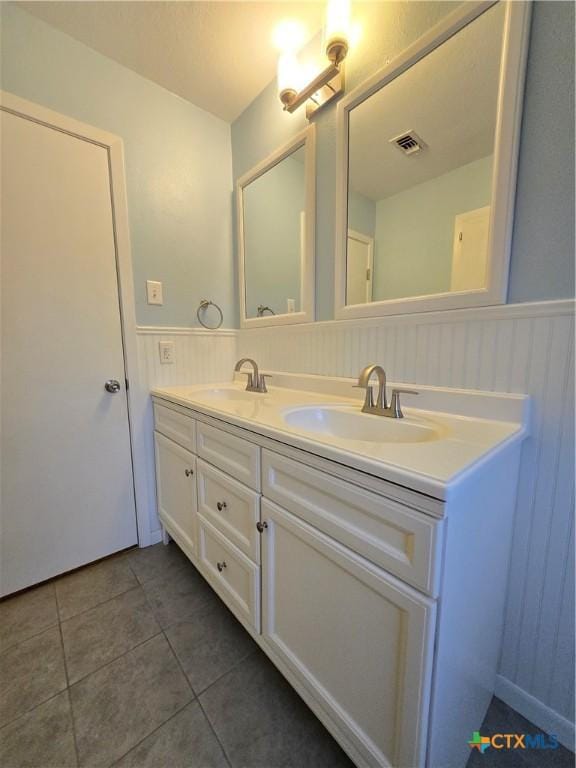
column 524, row 348
column 201, row 356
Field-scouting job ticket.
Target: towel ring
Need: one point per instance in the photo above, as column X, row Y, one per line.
column 204, row 304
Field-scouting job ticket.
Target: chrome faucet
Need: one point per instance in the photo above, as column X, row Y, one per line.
column 381, row 407
column 256, row 381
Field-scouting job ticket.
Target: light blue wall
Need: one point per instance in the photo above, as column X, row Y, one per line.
column 272, row 207
column 542, row 249
column 543, row 242
column 415, row 231
column 361, row 214
column 178, row 163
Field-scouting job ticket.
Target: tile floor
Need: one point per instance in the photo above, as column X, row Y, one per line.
column 134, row 662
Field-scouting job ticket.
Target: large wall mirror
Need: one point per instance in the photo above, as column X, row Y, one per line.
column 428, row 165
column 276, row 215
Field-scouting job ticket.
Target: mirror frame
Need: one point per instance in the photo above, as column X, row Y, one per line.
column 307, row 139
column 506, row 142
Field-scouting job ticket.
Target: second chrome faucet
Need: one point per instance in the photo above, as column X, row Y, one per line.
column 256, row 381
column 381, row 407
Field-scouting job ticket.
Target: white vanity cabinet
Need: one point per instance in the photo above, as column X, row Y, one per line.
column 364, row 593
column 353, row 638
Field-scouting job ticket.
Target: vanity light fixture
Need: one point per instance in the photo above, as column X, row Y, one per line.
column 296, row 85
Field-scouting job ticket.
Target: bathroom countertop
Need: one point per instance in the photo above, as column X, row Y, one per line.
column 462, row 435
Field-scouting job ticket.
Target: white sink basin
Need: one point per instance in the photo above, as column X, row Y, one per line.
column 351, row 424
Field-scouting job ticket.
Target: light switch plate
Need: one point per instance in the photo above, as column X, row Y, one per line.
column 154, row 292
column 167, row 354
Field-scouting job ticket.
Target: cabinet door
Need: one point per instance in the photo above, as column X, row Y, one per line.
column 357, row 641
column 176, row 489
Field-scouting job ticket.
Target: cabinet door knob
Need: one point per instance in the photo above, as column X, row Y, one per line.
column 220, row 505
column 260, row 526
column 188, row 472
column 221, row 565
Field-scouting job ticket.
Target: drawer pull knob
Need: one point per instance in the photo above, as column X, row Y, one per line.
column 220, row 505
column 188, row 472
column 260, row 526
column 221, row 565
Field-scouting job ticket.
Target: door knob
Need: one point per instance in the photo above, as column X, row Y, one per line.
column 220, row 505
column 221, row 565
column 112, row 386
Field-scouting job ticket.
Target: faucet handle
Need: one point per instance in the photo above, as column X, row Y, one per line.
column 262, row 381
column 395, row 401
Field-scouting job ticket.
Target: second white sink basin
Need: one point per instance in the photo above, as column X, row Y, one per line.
column 351, row 424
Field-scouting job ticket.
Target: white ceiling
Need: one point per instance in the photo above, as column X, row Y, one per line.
column 448, row 98
column 217, row 55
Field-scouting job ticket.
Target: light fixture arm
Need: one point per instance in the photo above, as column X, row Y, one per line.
column 292, row 100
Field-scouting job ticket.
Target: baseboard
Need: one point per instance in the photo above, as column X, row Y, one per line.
column 155, row 537
column 535, row 711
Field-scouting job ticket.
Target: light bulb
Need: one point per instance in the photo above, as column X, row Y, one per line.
column 289, row 36
column 338, row 19
column 288, row 75
column 337, row 23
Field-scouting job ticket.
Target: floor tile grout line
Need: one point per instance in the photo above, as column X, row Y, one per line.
column 102, row 602
column 116, row 658
column 215, row 732
column 29, row 637
column 29, row 711
column 68, row 692
column 152, row 732
column 178, row 662
column 99, row 605
column 197, row 699
column 231, row 669
column 177, row 566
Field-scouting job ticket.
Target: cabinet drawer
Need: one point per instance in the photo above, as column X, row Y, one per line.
column 175, row 425
column 402, row 541
column 231, row 507
column 234, row 455
column 231, row 573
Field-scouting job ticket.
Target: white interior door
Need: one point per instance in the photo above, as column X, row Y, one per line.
column 67, row 481
column 470, row 252
column 359, row 268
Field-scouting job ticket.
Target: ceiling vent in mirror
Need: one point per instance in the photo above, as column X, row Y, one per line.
column 409, row 143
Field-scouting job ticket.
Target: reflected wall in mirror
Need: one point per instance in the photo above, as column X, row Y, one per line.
column 420, row 142
column 276, row 236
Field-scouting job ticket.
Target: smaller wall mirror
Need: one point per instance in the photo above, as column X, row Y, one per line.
column 276, row 214
column 428, row 162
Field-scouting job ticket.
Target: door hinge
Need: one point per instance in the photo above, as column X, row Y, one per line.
column 368, row 274
column 127, row 384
